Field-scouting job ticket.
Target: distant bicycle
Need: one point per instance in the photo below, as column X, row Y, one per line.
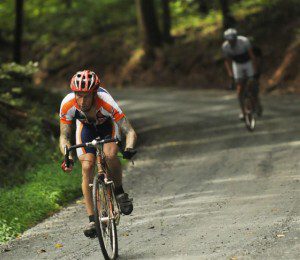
column 249, row 105
column 106, row 208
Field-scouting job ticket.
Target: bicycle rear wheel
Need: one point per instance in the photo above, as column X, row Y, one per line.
column 104, row 219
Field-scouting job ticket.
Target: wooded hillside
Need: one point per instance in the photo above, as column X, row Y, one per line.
column 149, row 42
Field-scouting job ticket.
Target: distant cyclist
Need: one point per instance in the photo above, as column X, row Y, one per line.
column 97, row 115
column 241, row 66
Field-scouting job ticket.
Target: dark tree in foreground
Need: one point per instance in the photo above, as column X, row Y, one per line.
column 148, row 24
column 166, row 21
column 202, row 7
column 68, row 3
column 18, row 30
column 228, row 20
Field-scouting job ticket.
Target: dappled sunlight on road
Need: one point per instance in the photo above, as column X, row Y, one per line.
column 248, row 177
column 229, row 97
column 223, row 138
column 212, row 178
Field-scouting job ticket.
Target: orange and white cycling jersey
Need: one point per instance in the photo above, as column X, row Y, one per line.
column 106, row 107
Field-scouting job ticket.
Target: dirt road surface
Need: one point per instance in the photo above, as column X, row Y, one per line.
column 203, row 186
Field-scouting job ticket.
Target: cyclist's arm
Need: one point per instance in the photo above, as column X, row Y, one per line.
column 228, row 66
column 65, row 137
column 128, row 131
column 253, row 59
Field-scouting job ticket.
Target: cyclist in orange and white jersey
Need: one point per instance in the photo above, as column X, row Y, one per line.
column 97, row 115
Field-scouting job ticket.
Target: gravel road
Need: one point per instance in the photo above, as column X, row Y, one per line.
column 203, row 186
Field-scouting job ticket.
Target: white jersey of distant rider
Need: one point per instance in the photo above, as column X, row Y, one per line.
column 239, row 53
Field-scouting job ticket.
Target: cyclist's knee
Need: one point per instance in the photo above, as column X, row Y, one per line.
column 111, row 157
column 239, row 89
column 239, row 92
column 111, row 151
column 87, row 167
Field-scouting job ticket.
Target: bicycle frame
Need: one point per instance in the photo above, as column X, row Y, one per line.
column 106, row 208
column 102, row 170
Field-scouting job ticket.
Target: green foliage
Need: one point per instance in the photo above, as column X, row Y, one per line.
column 52, row 20
column 9, row 230
column 13, row 76
column 26, row 138
column 13, row 69
column 6, row 19
column 185, row 14
column 46, row 190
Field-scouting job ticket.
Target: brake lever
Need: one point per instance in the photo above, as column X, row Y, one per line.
column 67, row 160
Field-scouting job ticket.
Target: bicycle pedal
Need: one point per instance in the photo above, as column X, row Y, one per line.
column 105, row 219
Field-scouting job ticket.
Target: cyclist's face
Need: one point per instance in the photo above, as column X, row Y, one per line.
column 84, row 100
column 232, row 42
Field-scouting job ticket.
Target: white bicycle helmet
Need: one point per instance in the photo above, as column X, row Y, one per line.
column 230, row 34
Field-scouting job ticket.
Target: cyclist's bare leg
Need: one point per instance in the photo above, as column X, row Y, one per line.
column 113, row 162
column 115, row 173
column 88, row 164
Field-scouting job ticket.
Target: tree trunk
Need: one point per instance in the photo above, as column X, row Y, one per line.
column 148, row 25
column 166, row 21
column 228, row 20
column 18, row 30
column 202, row 7
column 68, row 3
column 288, row 69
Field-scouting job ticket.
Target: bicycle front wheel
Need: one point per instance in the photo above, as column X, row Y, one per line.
column 104, row 219
column 249, row 115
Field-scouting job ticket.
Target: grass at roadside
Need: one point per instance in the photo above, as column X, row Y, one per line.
column 46, row 191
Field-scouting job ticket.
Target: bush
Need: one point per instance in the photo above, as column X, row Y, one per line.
column 24, row 108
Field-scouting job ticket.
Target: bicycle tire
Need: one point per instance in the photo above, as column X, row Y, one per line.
column 250, row 121
column 99, row 186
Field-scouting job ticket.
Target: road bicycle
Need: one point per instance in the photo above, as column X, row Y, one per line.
column 106, row 208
